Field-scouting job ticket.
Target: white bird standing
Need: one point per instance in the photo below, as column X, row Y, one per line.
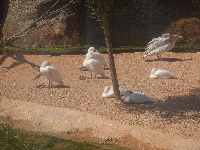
column 94, row 54
column 51, row 73
column 95, row 66
column 109, row 92
column 161, row 74
column 135, row 97
column 160, row 45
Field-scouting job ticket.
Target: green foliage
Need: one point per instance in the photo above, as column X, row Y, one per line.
column 197, row 2
column 94, row 6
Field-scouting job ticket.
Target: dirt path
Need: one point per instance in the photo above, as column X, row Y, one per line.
column 171, row 122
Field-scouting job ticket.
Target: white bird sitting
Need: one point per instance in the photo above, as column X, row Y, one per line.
column 160, row 45
column 135, row 97
column 94, row 54
column 109, row 92
column 95, row 66
column 51, row 73
column 161, row 74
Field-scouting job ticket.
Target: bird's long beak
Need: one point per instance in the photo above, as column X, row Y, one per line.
column 176, row 37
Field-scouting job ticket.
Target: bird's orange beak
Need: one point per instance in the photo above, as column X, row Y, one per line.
column 176, row 37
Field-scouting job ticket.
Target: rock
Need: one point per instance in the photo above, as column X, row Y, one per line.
column 62, row 31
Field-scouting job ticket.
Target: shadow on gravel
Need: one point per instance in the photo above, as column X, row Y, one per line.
column 85, row 69
column 167, row 59
column 173, row 108
column 38, row 76
column 84, row 78
column 181, row 107
column 2, row 59
column 20, row 60
column 56, row 86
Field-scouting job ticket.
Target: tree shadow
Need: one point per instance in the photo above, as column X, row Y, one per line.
column 20, row 60
column 167, row 59
column 180, row 107
column 174, row 108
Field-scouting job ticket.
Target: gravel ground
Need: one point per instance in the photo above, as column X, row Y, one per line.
column 176, row 109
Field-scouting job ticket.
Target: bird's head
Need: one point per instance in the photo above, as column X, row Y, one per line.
column 91, row 49
column 45, row 63
column 127, row 92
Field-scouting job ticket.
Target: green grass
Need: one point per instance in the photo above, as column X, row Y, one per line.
column 102, row 49
column 47, row 49
column 66, row 50
column 15, row 139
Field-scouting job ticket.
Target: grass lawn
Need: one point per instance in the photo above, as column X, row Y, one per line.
column 16, row 139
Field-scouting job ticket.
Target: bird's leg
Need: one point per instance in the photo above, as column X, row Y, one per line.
column 91, row 75
column 50, row 83
column 159, row 57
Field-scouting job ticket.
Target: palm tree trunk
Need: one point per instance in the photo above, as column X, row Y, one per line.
column 109, row 49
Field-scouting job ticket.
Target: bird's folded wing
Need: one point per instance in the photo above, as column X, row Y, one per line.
column 55, row 75
column 155, row 43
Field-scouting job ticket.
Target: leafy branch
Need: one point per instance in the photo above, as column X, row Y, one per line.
column 95, row 8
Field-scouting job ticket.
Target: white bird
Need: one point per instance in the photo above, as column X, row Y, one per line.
column 160, row 45
column 95, row 66
column 109, row 92
column 161, row 74
column 51, row 73
column 135, row 97
column 94, row 54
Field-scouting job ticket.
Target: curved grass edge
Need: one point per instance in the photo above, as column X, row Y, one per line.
column 14, row 138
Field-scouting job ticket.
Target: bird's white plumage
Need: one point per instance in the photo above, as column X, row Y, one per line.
column 95, row 66
column 94, row 54
column 161, row 74
column 135, row 97
column 109, row 92
column 160, row 45
column 51, row 73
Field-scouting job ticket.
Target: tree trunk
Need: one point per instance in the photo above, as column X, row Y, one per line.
column 109, row 49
